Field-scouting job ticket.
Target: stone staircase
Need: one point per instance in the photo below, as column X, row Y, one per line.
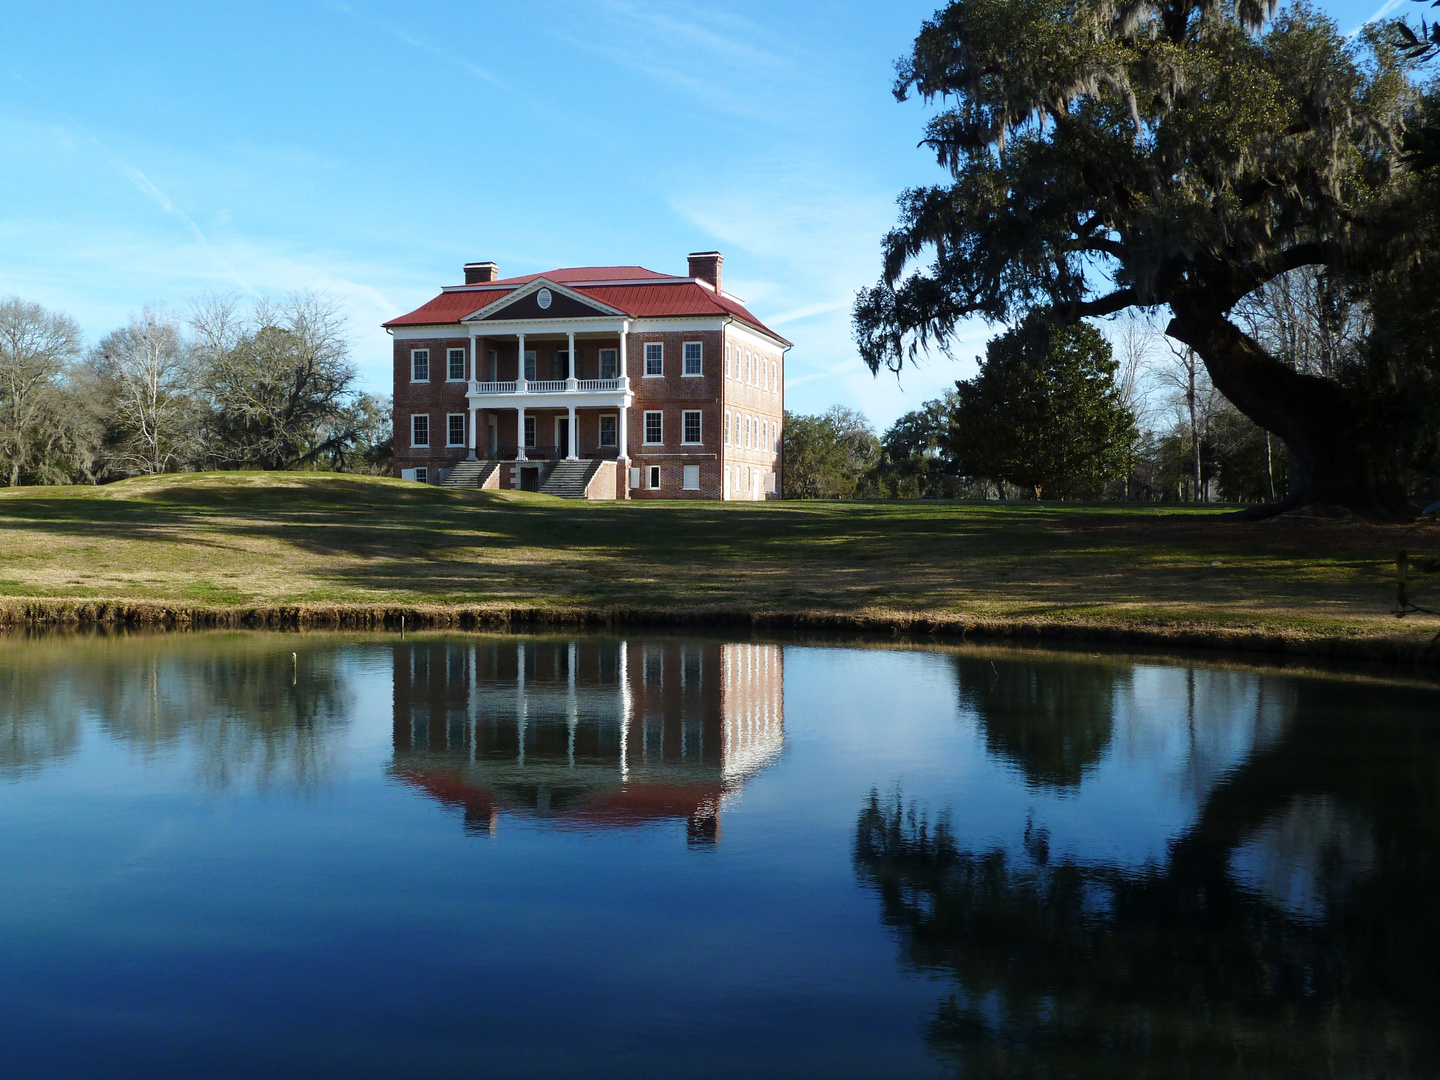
column 469, row 474
column 569, row 479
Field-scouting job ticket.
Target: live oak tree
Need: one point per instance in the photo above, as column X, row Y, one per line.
column 1116, row 154
column 1044, row 412
column 278, row 381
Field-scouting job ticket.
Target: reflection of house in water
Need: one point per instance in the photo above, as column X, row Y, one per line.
column 598, row 733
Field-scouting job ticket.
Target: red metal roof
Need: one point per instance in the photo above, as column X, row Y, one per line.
column 666, row 297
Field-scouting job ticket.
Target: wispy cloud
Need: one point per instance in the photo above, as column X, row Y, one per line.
column 1380, row 13
column 414, row 42
column 148, row 188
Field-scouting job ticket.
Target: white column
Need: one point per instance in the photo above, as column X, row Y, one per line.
column 624, row 332
column 570, row 373
column 570, row 454
column 520, row 433
column 624, row 438
column 474, row 430
column 521, row 706
column 627, row 709
column 520, row 364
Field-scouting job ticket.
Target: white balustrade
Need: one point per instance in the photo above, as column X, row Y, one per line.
column 599, row 384
column 548, row 386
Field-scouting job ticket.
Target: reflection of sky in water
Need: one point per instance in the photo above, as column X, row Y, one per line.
column 1163, row 757
column 1307, row 857
column 249, row 893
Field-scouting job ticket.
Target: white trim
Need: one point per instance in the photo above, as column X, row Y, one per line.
column 462, row 443
column 645, row 354
column 418, row 445
column 516, row 295
column 413, row 353
column 684, row 360
column 464, row 355
column 645, row 439
column 600, row 429
column 600, row 363
column 700, row 413
column 685, row 484
column 653, row 477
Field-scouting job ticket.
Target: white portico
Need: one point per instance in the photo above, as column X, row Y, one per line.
column 592, row 323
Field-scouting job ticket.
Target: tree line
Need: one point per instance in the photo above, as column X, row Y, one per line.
column 227, row 385
column 1062, row 411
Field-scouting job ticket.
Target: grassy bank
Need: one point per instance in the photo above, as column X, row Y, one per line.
column 314, row 549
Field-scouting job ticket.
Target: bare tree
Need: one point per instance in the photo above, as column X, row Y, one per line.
column 151, row 380
column 1194, row 398
column 36, row 349
column 1305, row 320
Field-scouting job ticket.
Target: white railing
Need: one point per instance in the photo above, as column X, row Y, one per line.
column 548, row 386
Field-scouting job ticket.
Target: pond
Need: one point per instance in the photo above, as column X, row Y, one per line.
column 289, row 855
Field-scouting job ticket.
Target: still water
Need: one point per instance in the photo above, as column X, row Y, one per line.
column 281, row 855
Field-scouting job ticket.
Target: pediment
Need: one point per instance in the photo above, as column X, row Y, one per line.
column 542, row 299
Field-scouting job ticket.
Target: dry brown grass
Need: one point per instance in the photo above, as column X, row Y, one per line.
column 337, row 550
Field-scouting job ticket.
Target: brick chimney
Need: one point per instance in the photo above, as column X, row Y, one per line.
column 705, row 265
column 480, row 273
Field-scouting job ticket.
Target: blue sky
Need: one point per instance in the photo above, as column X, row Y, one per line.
column 158, row 151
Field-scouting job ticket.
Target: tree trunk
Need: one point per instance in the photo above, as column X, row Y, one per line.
column 1340, row 460
column 1269, row 469
column 1190, row 366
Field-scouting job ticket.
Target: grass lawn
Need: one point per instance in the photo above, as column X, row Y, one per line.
column 246, row 539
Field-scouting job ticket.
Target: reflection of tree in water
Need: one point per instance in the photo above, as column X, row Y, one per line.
column 1290, row 932
column 245, row 709
column 1053, row 722
column 37, row 724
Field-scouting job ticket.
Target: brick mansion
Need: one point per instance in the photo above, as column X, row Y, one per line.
column 607, row 382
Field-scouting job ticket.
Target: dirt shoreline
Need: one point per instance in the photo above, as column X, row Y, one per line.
column 1407, row 648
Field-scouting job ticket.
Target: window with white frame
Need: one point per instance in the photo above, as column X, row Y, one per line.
column 560, row 366
column 691, row 478
column 654, row 427
column 529, row 365
column 420, row 429
column 775, row 376
column 690, row 427
column 494, row 365
column 764, row 374
column 422, row 475
column 653, row 477
column 609, row 430
column 455, row 365
column 727, row 427
column 727, row 361
column 419, row 365
column 455, row 429
column 609, row 363
column 654, row 358
column 529, row 433
column 692, row 354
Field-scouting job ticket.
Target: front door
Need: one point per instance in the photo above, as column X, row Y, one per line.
column 562, row 435
column 494, row 436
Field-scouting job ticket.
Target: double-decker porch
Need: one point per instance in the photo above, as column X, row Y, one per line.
column 506, row 364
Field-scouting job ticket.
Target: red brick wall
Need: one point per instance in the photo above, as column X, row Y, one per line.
column 673, row 394
column 436, row 398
